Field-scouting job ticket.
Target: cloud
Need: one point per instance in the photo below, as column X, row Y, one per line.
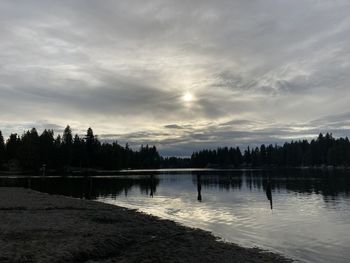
column 173, row 126
column 259, row 71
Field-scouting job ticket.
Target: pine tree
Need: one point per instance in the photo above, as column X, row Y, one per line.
column 67, row 145
column 90, row 142
column 2, row 151
column 47, row 148
column 29, row 150
column 67, row 137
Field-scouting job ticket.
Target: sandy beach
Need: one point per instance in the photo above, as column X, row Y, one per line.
column 38, row 227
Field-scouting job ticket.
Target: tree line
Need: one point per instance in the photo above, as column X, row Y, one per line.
column 325, row 150
column 31, row 151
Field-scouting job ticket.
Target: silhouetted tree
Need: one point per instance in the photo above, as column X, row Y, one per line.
column 247, row 156
column 263, row 154
column 47, row 148
column 2, row 151
column 29, row 153
column 67, row 145
column 325, row 150
column 92, row 145
column 79, row 152
column 58, row 153
column 12, row 147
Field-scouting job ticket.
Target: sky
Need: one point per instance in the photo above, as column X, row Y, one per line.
column 182, row 75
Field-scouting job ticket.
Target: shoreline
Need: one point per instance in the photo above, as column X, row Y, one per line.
column 38, row 227
column 101, row 172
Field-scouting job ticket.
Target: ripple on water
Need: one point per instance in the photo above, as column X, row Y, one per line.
column 308, row 220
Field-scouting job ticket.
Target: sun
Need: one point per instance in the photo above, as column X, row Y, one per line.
column 187, row 97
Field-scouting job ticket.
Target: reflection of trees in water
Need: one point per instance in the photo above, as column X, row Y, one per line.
column 152, row 186
column 222, row 180
column 325, row 182
column 330, row 184
column 86, row 187
column 269, row 192
column 199, row 188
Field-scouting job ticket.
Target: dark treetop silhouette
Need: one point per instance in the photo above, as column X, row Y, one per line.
column 31, row 151
column 325, row 150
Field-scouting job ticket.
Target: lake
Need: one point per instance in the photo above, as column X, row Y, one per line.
column 303, row 214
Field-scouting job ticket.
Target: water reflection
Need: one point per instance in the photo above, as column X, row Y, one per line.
column 152, row 185
column 85, row 187
column 324, row 182
column 269, row 193
column 311, row 208
column 199, row 188
column 329, row 184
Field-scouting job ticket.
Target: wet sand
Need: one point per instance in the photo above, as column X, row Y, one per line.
column 38, row 227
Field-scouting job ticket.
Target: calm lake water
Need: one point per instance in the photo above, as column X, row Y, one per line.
column 303, row 214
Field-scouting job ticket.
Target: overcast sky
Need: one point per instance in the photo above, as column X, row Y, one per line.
column 179, row 74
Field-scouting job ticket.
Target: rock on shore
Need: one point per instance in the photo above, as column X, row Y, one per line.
column 37, row 227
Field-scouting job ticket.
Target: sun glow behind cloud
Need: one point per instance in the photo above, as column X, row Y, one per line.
column 211, row 73
column 187, row 97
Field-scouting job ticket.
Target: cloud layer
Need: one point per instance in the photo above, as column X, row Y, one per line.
column 259, row 71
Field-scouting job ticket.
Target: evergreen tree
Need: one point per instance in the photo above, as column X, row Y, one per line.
column 247, row 156
column 263, row 154
column 29, row 150
column 67, row 145
column 47, row 148
column 12, row 147
column 79, row 152
column 91, row 147
column 67, row 137
column 58, row 153
column 2, row 151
